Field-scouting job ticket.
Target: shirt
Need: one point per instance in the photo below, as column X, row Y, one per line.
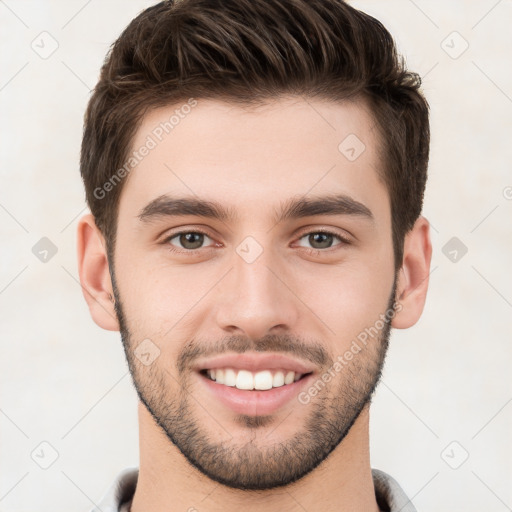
column 118, row 498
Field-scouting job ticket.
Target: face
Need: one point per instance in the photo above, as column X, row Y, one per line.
column 254, row 282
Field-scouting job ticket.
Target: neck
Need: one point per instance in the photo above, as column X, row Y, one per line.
column 167, row 482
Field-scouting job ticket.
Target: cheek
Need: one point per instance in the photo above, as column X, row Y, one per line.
column 158, row 298
column 348, row 299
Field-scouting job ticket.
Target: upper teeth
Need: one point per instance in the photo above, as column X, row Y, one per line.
column 244, row 379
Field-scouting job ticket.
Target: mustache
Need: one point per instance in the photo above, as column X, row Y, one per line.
column 295, row 346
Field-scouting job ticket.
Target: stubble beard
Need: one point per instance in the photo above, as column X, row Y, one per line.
column 255, row 465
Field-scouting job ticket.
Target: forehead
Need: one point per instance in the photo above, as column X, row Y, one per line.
column 246, row 156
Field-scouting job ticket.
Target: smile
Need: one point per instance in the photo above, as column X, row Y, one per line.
column 253, row 383
column 247, row 380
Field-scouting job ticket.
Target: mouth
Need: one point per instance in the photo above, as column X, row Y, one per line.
column 253, row 384
column 247, row 380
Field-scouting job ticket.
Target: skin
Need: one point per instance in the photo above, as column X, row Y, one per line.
column 253, row 161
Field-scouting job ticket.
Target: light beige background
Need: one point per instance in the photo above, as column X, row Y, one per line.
column 447, row 388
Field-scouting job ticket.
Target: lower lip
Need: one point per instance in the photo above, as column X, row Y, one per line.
column 254, row 402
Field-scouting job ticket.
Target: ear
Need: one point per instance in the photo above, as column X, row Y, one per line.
column 412, row 285
column 94, row 274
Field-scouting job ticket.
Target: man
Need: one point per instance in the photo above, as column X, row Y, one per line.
column 255, row 171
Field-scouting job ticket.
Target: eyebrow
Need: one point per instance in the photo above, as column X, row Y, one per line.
column 294, row 208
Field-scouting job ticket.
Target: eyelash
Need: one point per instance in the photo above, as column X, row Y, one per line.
column 311, row 250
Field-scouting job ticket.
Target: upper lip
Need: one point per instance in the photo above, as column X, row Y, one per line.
column 255, row 362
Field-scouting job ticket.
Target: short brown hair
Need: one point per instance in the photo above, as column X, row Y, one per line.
column 247, row 52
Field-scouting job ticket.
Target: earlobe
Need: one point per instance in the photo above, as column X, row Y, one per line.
column 94, row 274
column 413, row 277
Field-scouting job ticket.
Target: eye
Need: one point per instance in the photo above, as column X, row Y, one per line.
column 188, row 240
column 322, row 240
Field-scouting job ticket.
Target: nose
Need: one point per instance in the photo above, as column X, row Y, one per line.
column 255, row 298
